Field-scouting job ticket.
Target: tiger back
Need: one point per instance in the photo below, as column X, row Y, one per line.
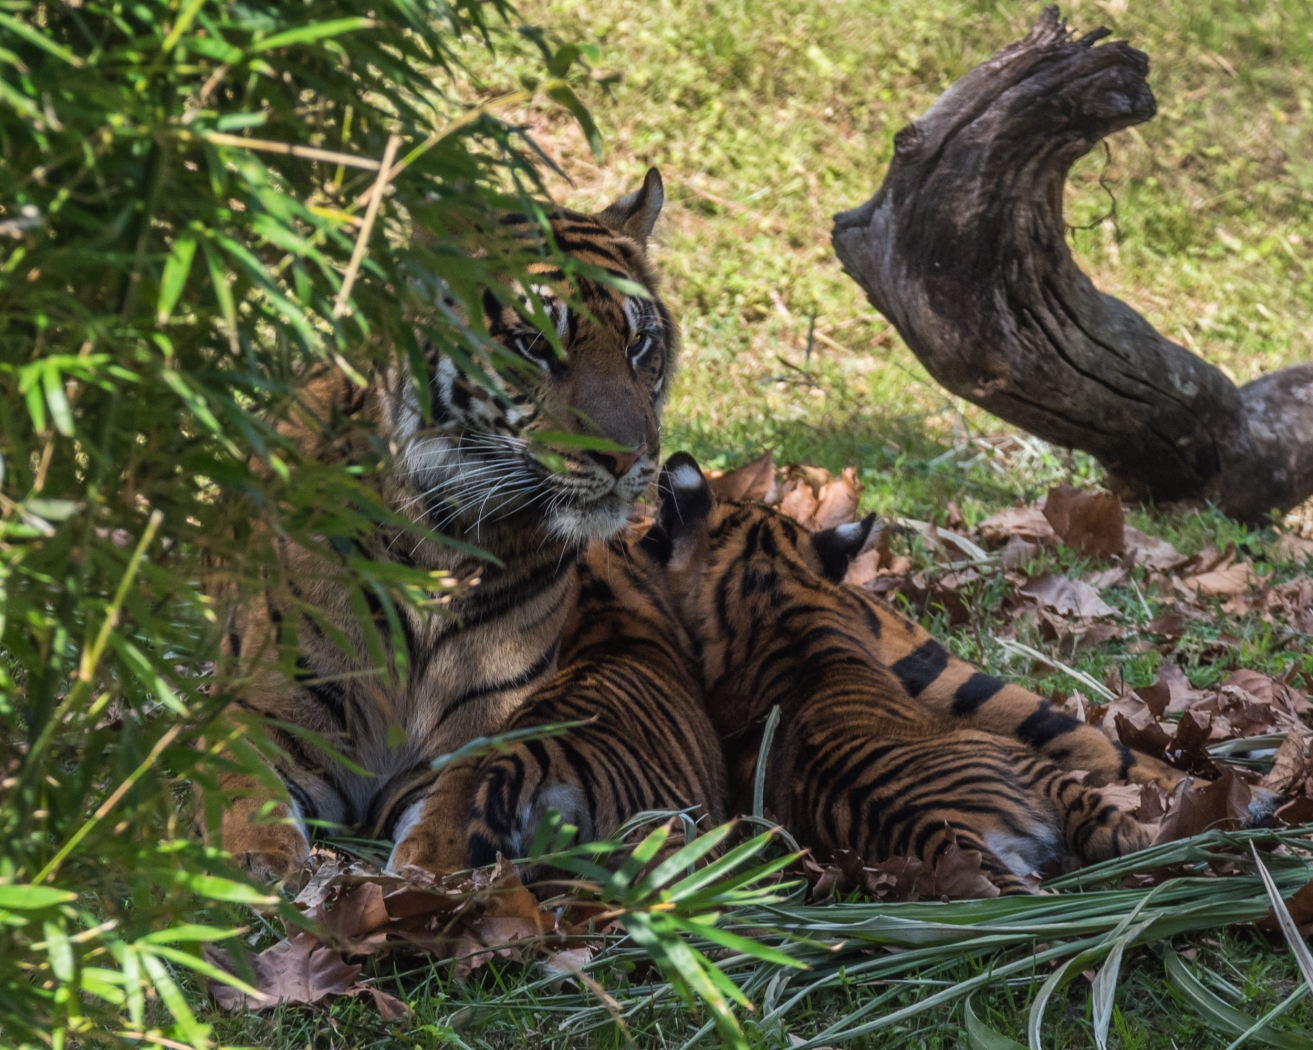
column 858, row 763
column 628, row 672
column 469, row 468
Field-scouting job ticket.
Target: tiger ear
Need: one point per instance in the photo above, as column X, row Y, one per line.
column 635, row 214
column 837, row 547
column 684, row 504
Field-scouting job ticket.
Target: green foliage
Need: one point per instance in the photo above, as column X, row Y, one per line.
column 183, row 240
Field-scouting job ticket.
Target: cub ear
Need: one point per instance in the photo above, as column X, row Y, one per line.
column 684, row 504
column 837, row 547
column 635, row 214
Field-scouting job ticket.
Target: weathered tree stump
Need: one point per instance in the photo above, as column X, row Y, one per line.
column 963, row 249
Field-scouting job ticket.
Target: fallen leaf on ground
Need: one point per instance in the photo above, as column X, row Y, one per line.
column 297, row 970
column 1107, row 578
column 1150, row 552
column 1227, row 581
column 1295, row 548
column 1091, row 523
column 1028, row 523
column 752, row 481
column 389, row 1006
column 800, row 504
column 357, row 913
column 1188, row 749
column 1222, row 804
column 1171, row 692
column 1019, row 552
column 1067, row 597
column 837, row 501
column 1289, row 765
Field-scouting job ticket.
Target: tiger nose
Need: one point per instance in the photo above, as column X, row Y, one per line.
column 618, row 463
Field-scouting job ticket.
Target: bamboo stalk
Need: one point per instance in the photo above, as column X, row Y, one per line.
column 466, row 118
column 350, row 160
column 367, row 227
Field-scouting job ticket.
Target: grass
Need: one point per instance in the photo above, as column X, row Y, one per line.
column 766, row 117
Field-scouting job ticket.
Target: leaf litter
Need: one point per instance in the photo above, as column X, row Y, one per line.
column 1243, row 744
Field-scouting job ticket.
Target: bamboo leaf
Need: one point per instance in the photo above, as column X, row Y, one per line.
column 682, row 859
column 981, row 1036
column 1289, row 928
column 1105, row 984
column 310, row 34
column 215, row 888
column 1222, row 1015
column 192, row 1030
column 33, row 898
column 642, row 855
column 41, row 40
column 176, row 269
column 561, row 93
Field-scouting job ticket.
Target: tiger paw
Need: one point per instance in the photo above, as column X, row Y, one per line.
column 1147, row 770
column 275, row 866
column 1117, row 834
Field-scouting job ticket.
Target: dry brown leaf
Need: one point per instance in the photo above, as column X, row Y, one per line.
column 568, row 963
column 816, row 477
column 752, row 481
column 1295, row 814
column 1150, row 552
column 1222, row 804
column 1170, row 624
column 1107, row 578
column 390, row 1008
column 1018, row 553
column 1171, row 692
column 1268, row 690
column 358, row 912
column 1149, row 739
column 1097, row 635
column 1067, row 597
column 1090, row 523
column 864, row 568
column 1028, row 523
column 800, row 504
column 1295, row 548
column 297, row 970
column 1188, row 749
column 1225, row 582
column 958, row 875
column 837, row 501
column 1289, row 765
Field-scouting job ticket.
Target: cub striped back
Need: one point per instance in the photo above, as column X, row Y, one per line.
column 858, row 761
column 627, row 669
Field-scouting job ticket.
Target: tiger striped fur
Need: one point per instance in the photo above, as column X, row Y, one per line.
column 626, row 667
column 859, row 762
column 468, row 472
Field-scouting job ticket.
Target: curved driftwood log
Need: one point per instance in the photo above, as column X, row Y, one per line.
column 963, row 250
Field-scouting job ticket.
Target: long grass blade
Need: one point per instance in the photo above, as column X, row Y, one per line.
column 1223, row 1015
column 1286, row 921
column 981, row 1036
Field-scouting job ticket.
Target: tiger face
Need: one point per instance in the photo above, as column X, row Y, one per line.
column 476, row 463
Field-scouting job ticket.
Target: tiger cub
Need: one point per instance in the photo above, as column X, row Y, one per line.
column 627, row 669
column 462, row 465
column 858, row 763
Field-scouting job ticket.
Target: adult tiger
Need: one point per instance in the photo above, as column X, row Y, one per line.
column 628, row 672
column 469, row 473
column 858, row 763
